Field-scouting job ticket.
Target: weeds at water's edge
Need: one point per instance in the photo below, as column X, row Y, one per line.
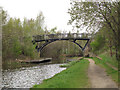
column 71, row 63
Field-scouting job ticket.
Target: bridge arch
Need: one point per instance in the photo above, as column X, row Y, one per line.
column 47, row 43
column 55, row 37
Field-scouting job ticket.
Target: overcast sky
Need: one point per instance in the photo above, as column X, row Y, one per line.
column 54, row 11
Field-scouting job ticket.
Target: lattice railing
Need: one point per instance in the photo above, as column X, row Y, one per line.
column 61, row 35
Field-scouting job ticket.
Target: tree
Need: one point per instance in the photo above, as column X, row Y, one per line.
column 98, row 43
column 39, row 24
column 96, row 15
column 53, row 30
column 17, row 36
column 4, row 16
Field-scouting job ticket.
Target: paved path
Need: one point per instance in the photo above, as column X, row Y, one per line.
column 98, row 77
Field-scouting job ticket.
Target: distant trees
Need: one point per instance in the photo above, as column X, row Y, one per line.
column 58, row 49
column 97, row 15
column 17, row 36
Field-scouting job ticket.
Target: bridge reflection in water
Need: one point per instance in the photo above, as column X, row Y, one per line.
column 49, row 38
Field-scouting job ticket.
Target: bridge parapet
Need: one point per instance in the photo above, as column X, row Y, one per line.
column 61, row 35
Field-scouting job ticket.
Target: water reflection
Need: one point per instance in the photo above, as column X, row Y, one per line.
column 29, row 76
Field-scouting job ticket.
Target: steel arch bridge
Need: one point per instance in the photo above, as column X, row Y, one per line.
column 49, row 38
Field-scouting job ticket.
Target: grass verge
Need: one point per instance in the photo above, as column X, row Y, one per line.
column 107, row 58
column 73, row 77
column 110, row 71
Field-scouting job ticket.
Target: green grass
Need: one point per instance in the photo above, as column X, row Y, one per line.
column 107, row 58
column 110, row 71
column 73, row 77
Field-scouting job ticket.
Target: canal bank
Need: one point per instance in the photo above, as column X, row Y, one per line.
column 74, row 76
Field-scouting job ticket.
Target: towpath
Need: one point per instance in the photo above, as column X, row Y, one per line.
column 98, row 77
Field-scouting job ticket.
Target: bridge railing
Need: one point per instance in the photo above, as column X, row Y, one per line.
column 61, row 35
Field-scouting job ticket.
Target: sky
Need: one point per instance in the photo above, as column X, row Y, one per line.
column 54, row 11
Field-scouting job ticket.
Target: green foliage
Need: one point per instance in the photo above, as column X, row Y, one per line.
column 53, row 30
column 17, row 36
column 96, row 16
column 73, row 77
column 17, row 48
column 98, row 43
column 4, row 16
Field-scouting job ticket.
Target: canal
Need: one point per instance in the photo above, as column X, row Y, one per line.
column 26, row 77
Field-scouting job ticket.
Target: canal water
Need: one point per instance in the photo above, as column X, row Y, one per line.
column 26, row 77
